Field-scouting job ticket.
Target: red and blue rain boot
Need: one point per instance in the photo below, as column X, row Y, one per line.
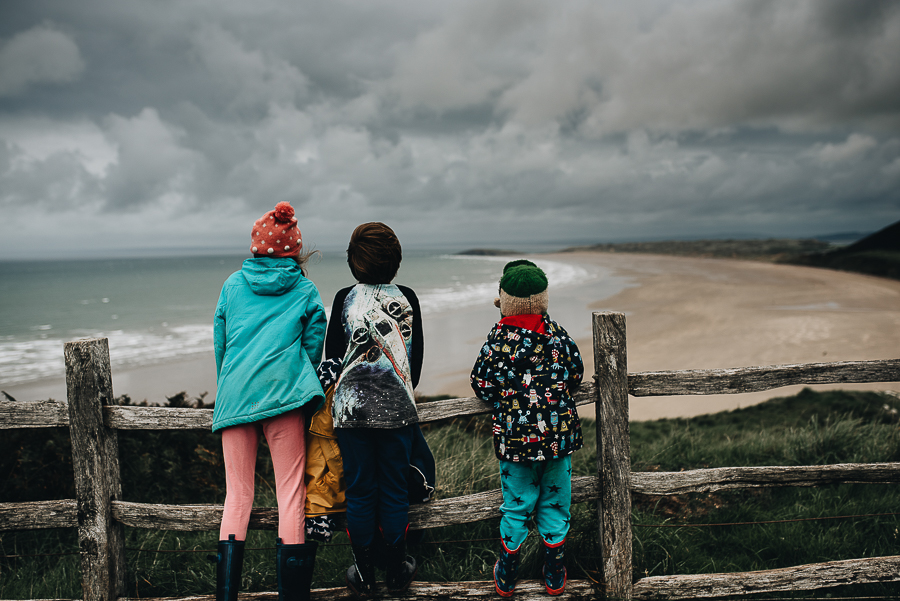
column 506, row 571
column 554, row 568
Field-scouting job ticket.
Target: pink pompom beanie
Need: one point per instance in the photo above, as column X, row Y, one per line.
column 276, row 234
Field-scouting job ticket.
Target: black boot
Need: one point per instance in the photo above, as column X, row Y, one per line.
column 401, row 568
column 229, row 562
column 294, row 566
column 361, row 575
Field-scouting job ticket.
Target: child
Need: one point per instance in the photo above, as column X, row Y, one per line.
column 375, row 329
column 269, row 330
column 324, row 467
column 528, row 369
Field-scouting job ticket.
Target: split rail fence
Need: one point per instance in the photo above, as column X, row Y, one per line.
column 100, row 514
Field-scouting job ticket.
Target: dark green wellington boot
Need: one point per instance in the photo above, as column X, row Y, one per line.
column 554, row 568
column 229, row 563
column 294, row 566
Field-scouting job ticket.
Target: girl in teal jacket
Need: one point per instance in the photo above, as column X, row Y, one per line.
column 269, row 331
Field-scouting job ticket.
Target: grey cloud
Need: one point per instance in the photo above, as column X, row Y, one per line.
column 673, row 67
column 153, row 165
column 245, row 78
column 463, row 121
column 57, row 182
column 855, row 18
column 41, row 55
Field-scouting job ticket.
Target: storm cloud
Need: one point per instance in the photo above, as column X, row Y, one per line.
column 127, row 124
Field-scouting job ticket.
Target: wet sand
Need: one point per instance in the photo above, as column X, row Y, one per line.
column 681, row 313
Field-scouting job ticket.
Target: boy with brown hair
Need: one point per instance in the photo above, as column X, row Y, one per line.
column 375, row 329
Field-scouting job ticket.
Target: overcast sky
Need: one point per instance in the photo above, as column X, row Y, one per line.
column 175, row 123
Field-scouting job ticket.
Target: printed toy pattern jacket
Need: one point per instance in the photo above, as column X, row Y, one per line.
column 530, row 378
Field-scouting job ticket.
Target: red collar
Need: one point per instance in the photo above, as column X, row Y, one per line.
column 532, row 322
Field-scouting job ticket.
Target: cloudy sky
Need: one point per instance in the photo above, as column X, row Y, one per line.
column 164, row 124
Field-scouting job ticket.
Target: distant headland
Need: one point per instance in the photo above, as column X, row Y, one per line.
column 876, row 254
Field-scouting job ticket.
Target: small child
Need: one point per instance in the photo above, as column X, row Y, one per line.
column 325, row 484
column 528, row 369
column 375, row 329
column 269, row 329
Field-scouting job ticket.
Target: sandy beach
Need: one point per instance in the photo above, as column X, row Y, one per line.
column 682, row 313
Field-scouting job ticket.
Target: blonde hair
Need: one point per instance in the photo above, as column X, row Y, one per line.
column 302, row 258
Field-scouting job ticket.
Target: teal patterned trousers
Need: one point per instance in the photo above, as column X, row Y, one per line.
column 538, row 489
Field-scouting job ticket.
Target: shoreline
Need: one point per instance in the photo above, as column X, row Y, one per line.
column 681, row 313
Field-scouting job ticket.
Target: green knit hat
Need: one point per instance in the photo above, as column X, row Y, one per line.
column 517, row 263
column 523, row 289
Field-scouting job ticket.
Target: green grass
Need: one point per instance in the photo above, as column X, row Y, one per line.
column 807, row 429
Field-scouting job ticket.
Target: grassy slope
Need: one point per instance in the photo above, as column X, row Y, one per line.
column 883, row 263
column 810, row 428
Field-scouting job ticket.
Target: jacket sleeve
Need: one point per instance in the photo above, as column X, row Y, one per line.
column 418, row 342
column 335, row 344
column 575, row 363
column 219, row 331
column 314, row 332
column 483, row 377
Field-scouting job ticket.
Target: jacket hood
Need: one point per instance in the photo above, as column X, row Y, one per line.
column 268, row 276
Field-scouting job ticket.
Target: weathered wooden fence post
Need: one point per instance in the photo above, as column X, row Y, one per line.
column 95, row 457
column 613, row 452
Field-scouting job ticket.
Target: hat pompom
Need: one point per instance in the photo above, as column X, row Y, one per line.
column 284, row 212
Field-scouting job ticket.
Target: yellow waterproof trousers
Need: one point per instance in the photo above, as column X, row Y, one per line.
column 325, row 484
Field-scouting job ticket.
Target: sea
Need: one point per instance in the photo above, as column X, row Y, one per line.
column 159, row 310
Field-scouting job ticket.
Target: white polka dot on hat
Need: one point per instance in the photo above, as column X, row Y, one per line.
column 279, row 221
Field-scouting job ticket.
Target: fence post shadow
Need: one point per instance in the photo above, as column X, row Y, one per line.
column 613, row 453
column 95, row 458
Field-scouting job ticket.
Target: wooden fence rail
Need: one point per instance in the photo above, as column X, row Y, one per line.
column 100, row 514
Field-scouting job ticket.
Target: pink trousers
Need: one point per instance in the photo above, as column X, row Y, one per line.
column 285, row 435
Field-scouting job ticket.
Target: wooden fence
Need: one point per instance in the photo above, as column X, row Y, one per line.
column 99, row 513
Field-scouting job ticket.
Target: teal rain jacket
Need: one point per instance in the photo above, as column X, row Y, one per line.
column 269, row 330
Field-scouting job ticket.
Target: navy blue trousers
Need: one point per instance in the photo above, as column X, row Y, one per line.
column 376, row 469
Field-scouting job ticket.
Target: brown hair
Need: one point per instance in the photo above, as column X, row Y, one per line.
column 374, row 253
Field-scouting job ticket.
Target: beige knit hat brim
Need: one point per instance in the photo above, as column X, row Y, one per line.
column 532, row 305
